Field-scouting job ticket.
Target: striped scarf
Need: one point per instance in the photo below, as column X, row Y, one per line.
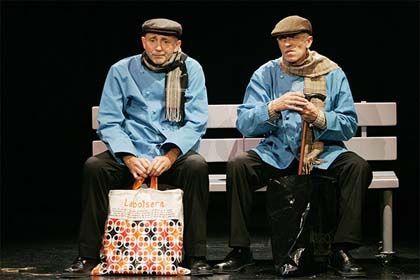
column 313, row 69
column 176, row 82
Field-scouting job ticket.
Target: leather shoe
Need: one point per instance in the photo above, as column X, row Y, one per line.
column 235, row 261
column 81, row 267
column 199, row 266
column 344, row 265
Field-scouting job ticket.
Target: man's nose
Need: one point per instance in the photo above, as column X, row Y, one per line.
column 288, row 40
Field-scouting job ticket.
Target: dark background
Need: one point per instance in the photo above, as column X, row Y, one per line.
column 55, row 55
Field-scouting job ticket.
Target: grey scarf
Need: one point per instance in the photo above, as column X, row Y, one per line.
column 176, row 82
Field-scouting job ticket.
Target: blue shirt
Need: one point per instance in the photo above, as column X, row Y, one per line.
column 132, row 110
column 282, row 137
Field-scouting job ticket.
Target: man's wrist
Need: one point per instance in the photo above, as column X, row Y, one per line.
column 126, row 157
column 320, row 121
column 173, row 154
column 272, row 114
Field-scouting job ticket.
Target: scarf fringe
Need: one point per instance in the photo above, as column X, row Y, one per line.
column 176, row 82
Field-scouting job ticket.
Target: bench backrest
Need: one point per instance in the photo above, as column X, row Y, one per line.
column 224, row 116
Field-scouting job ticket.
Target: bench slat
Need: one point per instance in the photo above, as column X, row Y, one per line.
column 220, row 150
column 218, row 183
column 95, row 117
column 369, row 148
column 384, row 180
column 98, row 147
column 377, row 114
column 220, row 116
column 224, row 116
column 374, row 148
column 380, row 180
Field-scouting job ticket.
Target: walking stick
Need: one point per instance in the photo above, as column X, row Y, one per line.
column 302, row 147
column 305, row 131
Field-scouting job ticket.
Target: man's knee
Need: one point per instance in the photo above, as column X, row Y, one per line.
column 196, row 164
column 237, row 162
column 360, row 168
column 93, row 165
column 361, row 165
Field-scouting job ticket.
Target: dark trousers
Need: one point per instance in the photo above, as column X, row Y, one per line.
column 102, row 173
column 247, row 173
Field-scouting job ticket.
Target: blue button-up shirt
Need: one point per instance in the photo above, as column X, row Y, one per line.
column 132, row 110
column 282, row 137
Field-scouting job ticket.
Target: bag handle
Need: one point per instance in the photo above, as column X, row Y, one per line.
column 153, row 183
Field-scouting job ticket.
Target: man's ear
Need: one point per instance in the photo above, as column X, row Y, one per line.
column 178, row 45
column 309, row 41
column 143, row 41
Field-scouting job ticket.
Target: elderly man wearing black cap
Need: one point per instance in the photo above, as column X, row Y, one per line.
column 153, row 112
column 300, row 86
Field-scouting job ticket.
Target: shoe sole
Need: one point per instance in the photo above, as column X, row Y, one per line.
column 360, row 274
column 352, row 274
column 202, row 273
column 224, row 271
column 70, row 275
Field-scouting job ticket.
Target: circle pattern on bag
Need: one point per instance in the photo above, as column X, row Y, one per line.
column 152, row 247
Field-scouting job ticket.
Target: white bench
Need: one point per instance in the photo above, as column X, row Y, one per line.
column 375, row 148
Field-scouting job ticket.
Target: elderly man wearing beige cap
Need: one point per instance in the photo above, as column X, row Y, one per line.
column 152, row 114
column 300, row 86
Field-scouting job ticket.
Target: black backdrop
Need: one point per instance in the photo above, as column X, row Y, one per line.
column 55, row 55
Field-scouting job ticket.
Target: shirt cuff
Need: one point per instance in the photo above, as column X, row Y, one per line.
column 272, row 115
column 320, row 121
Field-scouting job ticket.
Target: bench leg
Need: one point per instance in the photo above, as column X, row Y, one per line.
column 385, row 250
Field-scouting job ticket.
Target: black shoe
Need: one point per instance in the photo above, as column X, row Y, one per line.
column 199, row 266
column 81, row 267
column 344, row 265
column 235, row 261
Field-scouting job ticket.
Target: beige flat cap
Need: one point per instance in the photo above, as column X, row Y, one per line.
column 162, row 26
column 292, row 25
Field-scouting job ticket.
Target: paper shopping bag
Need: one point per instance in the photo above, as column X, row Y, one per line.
column 143, row 232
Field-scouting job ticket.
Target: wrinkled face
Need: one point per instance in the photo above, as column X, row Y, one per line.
column 159, row 48
column 294, row 47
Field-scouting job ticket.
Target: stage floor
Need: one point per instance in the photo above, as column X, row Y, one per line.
column 46, row 259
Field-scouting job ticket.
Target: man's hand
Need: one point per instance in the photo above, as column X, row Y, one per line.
column 290, row 101
column 138, row 166
column 161, row 164
column 309, row 112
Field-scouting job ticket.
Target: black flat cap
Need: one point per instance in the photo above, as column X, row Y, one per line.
column 292, row 25
column 162, row 26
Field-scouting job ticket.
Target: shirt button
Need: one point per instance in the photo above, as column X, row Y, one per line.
column 281, row 76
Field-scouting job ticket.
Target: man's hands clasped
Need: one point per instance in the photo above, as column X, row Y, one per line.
column 296, row 101
column 141, row 167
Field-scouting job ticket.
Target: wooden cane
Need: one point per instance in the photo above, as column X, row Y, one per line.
column 302, row 147
column 305, row 130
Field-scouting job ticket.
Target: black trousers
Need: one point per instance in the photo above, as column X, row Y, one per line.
column 247, row 173
column 102, row 173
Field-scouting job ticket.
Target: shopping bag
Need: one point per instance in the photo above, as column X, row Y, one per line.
column 143, row 232
column 302, row 214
